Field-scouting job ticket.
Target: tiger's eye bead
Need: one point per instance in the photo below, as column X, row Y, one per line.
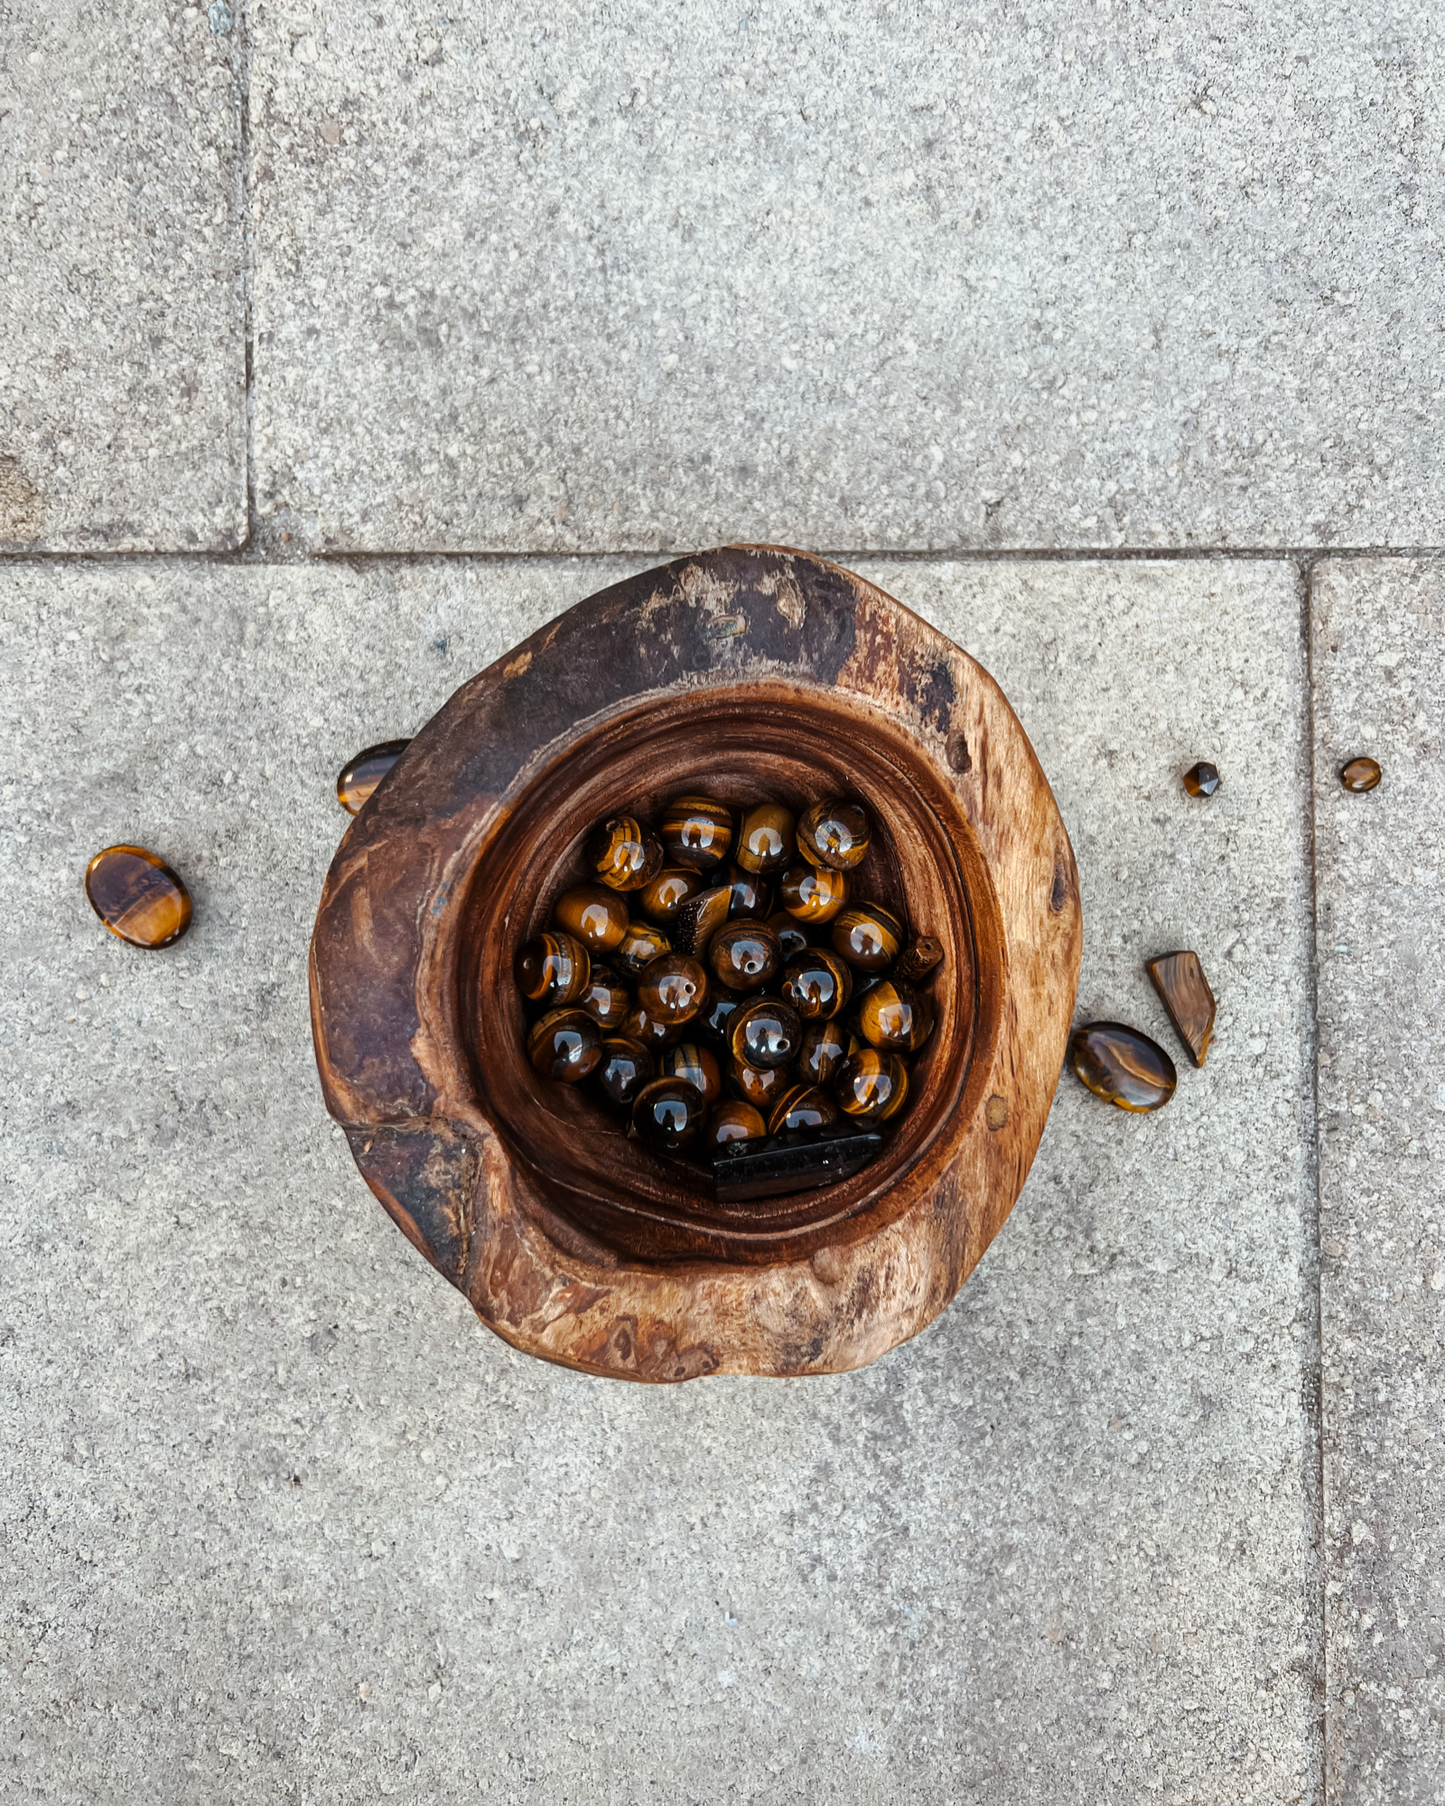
column 893, row 1016
column 668, row 1113
column 1360, row 775
column 835, row 834
column 138, row 897
column 760, row 1086
column 792, row 936
column 652, row 1032
column 712, row 1020
column 552, row 969
column 359, row 777
column 593, row 915
column 566, row 1044
column 801, row 1107
column 752, row 896
column 699, row 919
column 817, row 983
column 745, row 955
column 641, row 944
column 624, row 1069
column 823, row 1051
column 872, row 1083
column 766, row 840
column 623, row 854
column 697, row 831
column 661, row 897
column 695, row 1064
column 672, row 987
column 733, row 1121
column 605, row 998
column 765, row 1032
column 812, row 893
column 923, row 955
column 868, row 936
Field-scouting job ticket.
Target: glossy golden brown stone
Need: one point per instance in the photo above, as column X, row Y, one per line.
column 672, row 987
column 699, row 919
column 1201, row 779
column 661, row 897
column 733, row 1121
column 765, row 1032
column 767, row 839
column 625, row 1067
column 696, row 831
column 792, row 936
column 565, row 1044
column 868, row 936
column 605, row 998
column 138, row 896
column 1360, row 775
column 821, row 1053
column 752, row 895
column 622, row 853
column 552, row 969
column 594, row 915
column 695, row 1064
column 817, row 983
column 801, row 1107
column 835, row 834
column 922, row 955
column 642, row 943
column 813, row 893
column 895, row 1016
column 745, row 956
column 1122, row 1066
column 668, row 1113
column 872, row 1083
column 359, row 777
column 652, row 1032
column 1179, row 979
column 760, row 1086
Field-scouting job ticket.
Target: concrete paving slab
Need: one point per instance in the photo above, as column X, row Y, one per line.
column 122, row 354
column 581, row 279
column 281, row 1518
column 1379, row 688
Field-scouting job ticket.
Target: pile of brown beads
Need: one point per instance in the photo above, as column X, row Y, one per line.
column 672, row 986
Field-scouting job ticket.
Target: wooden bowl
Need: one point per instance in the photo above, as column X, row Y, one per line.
column 747, row 672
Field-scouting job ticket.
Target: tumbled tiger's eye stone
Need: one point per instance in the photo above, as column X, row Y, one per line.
column 699, row 919
column 624, row 1069
column 605, row 998
column 1360, row 775
column 672, row 987
column 359, row 777
column 766, row 840
column 641, row 944
column 745, row 955
column 817, row 983
column 895, row 1016
column 711, row 1021
column 565, row 1044
column 552, row 969
column 760, row 1086
column 1179, row 979
column 733, row 1121
column 868, row 936
column 813, row 893
column 623, row 854
column 835, row 834
column 922, row 955
column 792, row 936
column 661, row 897
column 695, row 1064
column 1122, row 1066
column 668, row 1113
column 138, row 897
column 697, row 831
column 752, row 896
column 872, row 1083
column 593, row 915
column 801, row 1107
column 822, row 1051
column 652, row 1032
column 1201, row 779
column 765, row 1032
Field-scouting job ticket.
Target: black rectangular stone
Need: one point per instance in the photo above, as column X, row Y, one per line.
column 767, row 1169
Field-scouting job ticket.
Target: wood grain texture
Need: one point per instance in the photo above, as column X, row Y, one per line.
column 750, row 672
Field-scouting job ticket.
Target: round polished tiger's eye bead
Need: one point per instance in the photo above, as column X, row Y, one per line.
column 552, row 969
column 812, row 893
column 641, row 944
column 765, row 1032
column 895, row 1016
column 661, row 897
column 872, row 1083
column 868, row 936
column 696, row 831
column 1360, row 775
column 668, row 1113
column 652, row 1032
column 622, row 853
column 752, row 896
column 733, row 1121
column 745, row 955
column 605, row 998
column 359, row 777
column 565, row 1044
column 801, row 1107
column 672, row 987
column 711, row 1021
column 593, row 915
column 760, row 1086
column 138, row 897
column 767, row 839
column 1122, row 1066
column 822, row 1052
column 624, row 1069
column 817, row 983
column 835, row 834
column 695, row 1064
column 792, row 936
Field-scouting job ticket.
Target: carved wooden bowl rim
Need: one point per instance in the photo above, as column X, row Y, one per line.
column 571, row 1243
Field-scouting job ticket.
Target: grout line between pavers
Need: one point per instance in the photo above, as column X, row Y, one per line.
column 248, row 270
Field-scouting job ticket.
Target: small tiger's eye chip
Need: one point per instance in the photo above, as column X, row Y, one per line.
column 697, row 831
column 695, row 1064
column 745, row 956
column 622, row 854
column 138, row 897
column 565, row 1044
column 868, row 936
column 872, row 1083
column 668, row 1113
column 813, row 893
column 359, row 777
column 1201, row 779
column 765, row 1032
column 835, row 834
column 624, row 1069
column 733, row 1121
column 552, row 969
column 672, row 987
column 594, row 915
column 1360, row 775
column 801, row 1107
column 1122, row 1066
column 641, row 944
column 661, row 897
column 767, row 839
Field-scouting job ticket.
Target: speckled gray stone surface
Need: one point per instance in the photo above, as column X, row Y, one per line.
column 1379, row 682
column 281, row 1520
column 122, row 348
column 929, row 277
